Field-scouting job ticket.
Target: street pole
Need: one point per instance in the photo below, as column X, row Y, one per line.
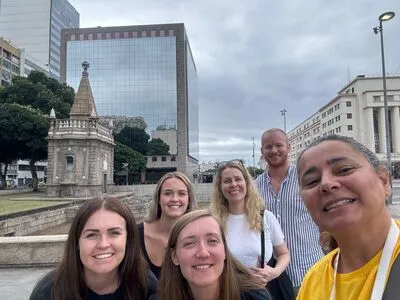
column 283, row 113
column 385, row 17
column 254, row 159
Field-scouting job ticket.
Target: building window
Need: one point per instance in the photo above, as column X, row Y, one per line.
column 377, row 99
column 163, row 158
column 173, row 158
column 154, row 158
column 390, row 98
column 349, row 116
column 348, row 103
column 70, row 163
column 349, row 127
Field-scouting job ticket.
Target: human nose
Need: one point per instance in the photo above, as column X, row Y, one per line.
column 329, row 183
column 103, row 242
column 202, row 250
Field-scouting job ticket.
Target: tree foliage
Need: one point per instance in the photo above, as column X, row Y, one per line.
column 41, row 93
column 157, row 147
column 135, row 138
column 125, row 154
column 23, row 134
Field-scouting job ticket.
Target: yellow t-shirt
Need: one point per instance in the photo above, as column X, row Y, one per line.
column 357, row 285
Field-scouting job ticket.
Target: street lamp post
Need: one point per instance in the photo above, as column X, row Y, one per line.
column 379, row 29
column 283, row 113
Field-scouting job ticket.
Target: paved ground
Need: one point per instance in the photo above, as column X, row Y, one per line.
column 17, row 284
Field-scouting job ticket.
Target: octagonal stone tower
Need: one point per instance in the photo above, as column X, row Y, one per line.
column 80, row 149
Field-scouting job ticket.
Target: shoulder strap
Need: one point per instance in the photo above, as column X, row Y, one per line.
column 392, row 289
column 262, row 258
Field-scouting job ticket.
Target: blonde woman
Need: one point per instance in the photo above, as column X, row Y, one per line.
column 236, row 201
column 198, row 265
column 173, row 197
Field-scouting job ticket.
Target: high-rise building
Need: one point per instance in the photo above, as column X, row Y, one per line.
column 35, row 25
column 356, row 111
column 143, row 71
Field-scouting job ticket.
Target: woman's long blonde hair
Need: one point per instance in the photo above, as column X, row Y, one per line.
column 253, row 202
column 235, row 277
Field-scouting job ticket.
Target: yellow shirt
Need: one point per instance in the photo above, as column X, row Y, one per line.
column 357, row 285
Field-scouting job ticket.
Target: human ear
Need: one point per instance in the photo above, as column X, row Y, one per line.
column 174, row 258
column 384, row 176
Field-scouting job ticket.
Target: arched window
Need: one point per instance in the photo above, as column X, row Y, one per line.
column 70, row 163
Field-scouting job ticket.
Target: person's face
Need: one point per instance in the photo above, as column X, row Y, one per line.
column 174, row 197
column 102, row 243
column 233, row 185
column 275, row 148
column 340, row 188
column 200, row 253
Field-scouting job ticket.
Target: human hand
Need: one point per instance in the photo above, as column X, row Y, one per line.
column 264, row 275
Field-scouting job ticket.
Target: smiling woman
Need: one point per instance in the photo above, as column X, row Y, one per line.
column 198, row 265
column 344, row 187
column 173, row 197
column 102, row 258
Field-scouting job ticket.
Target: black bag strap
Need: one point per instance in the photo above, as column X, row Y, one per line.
column 392, row 289
column 262, row 258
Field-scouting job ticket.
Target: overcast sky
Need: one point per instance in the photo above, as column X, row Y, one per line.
column 256, row 57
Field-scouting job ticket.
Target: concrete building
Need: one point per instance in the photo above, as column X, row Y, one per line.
column 357, row 111
column 143, row 71
column 80, row 149
column 35, row 25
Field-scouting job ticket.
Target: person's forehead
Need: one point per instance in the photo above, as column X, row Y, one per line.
column 273, row 137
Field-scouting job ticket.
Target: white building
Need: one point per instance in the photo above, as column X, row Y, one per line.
column 20, row 172
column 357, row 111
column 35, row 25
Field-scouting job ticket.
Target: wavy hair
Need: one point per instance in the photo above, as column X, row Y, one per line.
column 69, row 282
column 253, row 201
column 155, row 208
column 235, row 277
column 327, row 241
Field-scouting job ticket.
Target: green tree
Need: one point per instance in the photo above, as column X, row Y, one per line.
column 124, row 154
column 23, row 135
column 135, row 138
column 42, row 93
column 157, row 147
column 254, row 171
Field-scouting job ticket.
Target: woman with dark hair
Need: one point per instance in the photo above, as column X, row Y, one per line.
column 197, row 264
column 173, row 197
column 344, row 186
column 102, row 258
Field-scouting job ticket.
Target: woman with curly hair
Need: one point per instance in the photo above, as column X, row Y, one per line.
column 236, row 201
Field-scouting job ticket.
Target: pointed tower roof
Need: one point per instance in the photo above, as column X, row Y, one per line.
column 83, row 106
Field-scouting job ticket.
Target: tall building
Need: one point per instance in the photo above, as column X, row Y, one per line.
column 357, row 111
column 35, row 25
column 143, row 71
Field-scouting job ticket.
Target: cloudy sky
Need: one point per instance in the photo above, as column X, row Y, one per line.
column 257, row 57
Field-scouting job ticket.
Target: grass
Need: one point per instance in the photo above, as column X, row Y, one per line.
column 8, row 206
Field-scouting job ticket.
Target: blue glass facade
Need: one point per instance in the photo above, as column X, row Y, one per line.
column 129, row 77
column 193, row 105
column 63, row 15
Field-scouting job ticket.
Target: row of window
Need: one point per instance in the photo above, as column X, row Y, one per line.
column 389, row 98
column 336, row 107
column 163, row 158
column 336, row 119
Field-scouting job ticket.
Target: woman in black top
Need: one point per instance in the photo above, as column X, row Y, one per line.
column 102, row 258
column 173, row 197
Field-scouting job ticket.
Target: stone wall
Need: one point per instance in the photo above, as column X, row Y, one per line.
column 27, row 222
column 26, row 251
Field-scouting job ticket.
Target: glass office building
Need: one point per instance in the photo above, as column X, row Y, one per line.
column 143, row 71
column 35, row 26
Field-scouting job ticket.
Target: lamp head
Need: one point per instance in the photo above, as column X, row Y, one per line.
column 386, row 16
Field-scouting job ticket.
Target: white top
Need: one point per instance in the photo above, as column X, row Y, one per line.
column 245, row 244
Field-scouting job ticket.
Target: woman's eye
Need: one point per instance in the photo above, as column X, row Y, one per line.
column 345, row 170
column 91, row 235
column 213, row 241
column 188, row 244
column 310, row 182
column 115, row 233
